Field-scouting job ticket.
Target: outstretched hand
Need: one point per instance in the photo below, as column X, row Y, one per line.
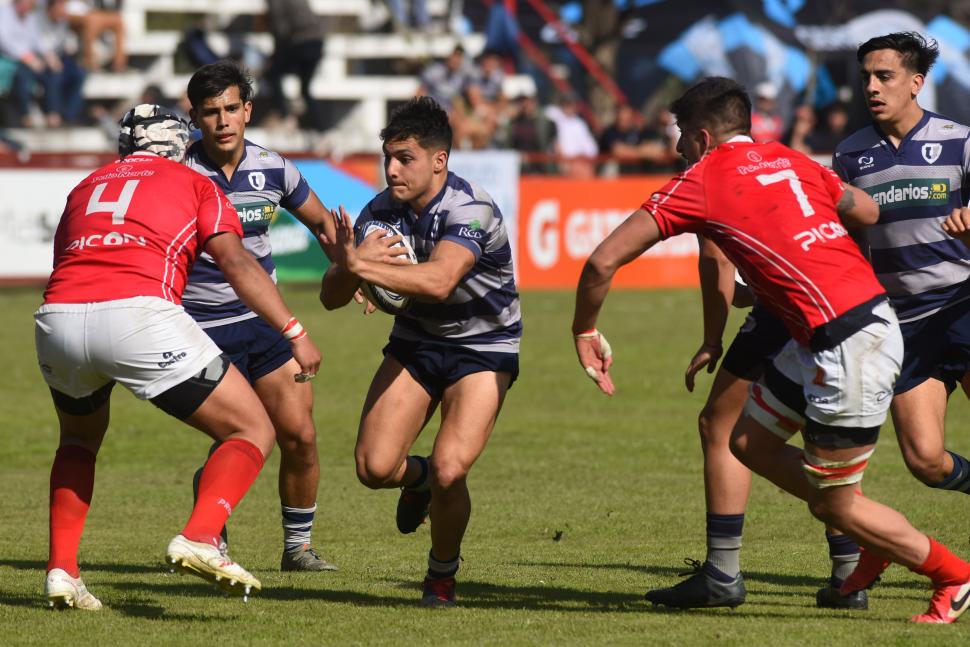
column 707, row 355
column 596, row 356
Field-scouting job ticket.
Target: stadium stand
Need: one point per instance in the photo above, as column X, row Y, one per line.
column 359, row 77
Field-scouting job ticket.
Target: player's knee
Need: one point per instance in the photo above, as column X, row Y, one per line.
column 711, row 430
column 446, row 475
column 925, row 466
column 375, row 474
column 300, row 443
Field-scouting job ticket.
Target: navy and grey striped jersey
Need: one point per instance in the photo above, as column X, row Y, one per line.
column 263, row 181
column 916, row 186
column 482, row 313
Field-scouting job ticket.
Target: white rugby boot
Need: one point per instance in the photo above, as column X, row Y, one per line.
column 64, row 591
column 208, row 562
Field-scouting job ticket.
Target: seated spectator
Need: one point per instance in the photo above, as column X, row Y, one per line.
column 475, row 122
column 633, row 148
column 531, row 132
column 445, row 81
column 68, row 101
column 803, row 123
column 766, row 124
column 93, row 18
column 298, row 47
column 574, row 145
column 827, row 136
column 21, row 39
column 402, row 12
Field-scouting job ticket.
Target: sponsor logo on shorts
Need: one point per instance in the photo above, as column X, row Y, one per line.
column 169, row 358
column 911, row 193
column 881, row 396
column 817, row 399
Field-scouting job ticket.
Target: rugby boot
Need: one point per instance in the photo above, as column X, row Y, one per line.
column 412, row 509
column 304, row 558
column 828, row 597
column 946, row 605
column 64, row 591
column 700, row 590
column 211, row 564
column 866, row 573
column 438, row 592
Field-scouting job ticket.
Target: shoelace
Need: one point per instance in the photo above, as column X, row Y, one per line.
column 695, row 567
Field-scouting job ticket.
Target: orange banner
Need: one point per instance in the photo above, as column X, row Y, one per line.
column 562, row 221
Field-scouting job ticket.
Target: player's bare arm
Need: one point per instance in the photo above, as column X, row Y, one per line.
column 259, row 293
column 856, row 208
column 634, row 236
column 957, row 224
column 717, row 293
column 318, row 219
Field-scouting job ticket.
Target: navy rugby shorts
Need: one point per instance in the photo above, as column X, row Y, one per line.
column 253, row 346
column 761, row 337
column 937, row 346
column 437, row 366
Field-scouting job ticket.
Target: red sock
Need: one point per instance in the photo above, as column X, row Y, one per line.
column 943, row 567
column 227, row 475
column 72, row 483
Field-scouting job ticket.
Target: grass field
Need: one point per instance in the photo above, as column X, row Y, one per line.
column 582, row 503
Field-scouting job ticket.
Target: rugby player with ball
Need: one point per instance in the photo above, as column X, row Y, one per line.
column 454, row 343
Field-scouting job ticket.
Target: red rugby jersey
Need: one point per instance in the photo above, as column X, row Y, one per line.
column 133, row 228
column 772, row 211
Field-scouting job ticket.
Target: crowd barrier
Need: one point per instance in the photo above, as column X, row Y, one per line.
column 554, row 223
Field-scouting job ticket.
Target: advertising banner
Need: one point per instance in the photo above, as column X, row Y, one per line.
column 35, row 199
column 562, row 221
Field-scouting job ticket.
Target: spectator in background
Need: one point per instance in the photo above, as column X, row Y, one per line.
column 824, row 139
column 21, row 39
column 403, row 10
column 445, row 81
column 633, row 147
column 803, row 123
column 530, row 131
column 298, row 47
column 766, row 124
column 92, row 18
column 476, row 120
column 574, row 145
column 67, row 100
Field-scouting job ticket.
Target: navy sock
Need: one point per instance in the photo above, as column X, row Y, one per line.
column 959, row 478
column 844, row 553
column 421, row 483
column 724, row 545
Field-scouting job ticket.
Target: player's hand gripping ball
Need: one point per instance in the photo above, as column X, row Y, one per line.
column 386, row 300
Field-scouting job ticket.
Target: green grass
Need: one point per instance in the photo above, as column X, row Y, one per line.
column 619, row 478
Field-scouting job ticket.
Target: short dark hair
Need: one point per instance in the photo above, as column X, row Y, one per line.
column 718, row 104
column 918, row 54
column 215, row 78
column 423, row 119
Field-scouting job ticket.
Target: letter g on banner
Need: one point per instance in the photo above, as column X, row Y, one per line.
column 544, row 234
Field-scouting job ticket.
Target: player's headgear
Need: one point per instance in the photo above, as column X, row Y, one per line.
column 152, row 128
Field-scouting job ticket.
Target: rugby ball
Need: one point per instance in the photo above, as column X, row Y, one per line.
column 386, row 300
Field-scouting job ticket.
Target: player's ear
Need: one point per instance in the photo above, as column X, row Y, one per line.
column 248, row 110
column 917, row 83
column 440, row 161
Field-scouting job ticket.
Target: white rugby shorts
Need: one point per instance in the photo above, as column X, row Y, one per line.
column 848, row 386
column 147, row 344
